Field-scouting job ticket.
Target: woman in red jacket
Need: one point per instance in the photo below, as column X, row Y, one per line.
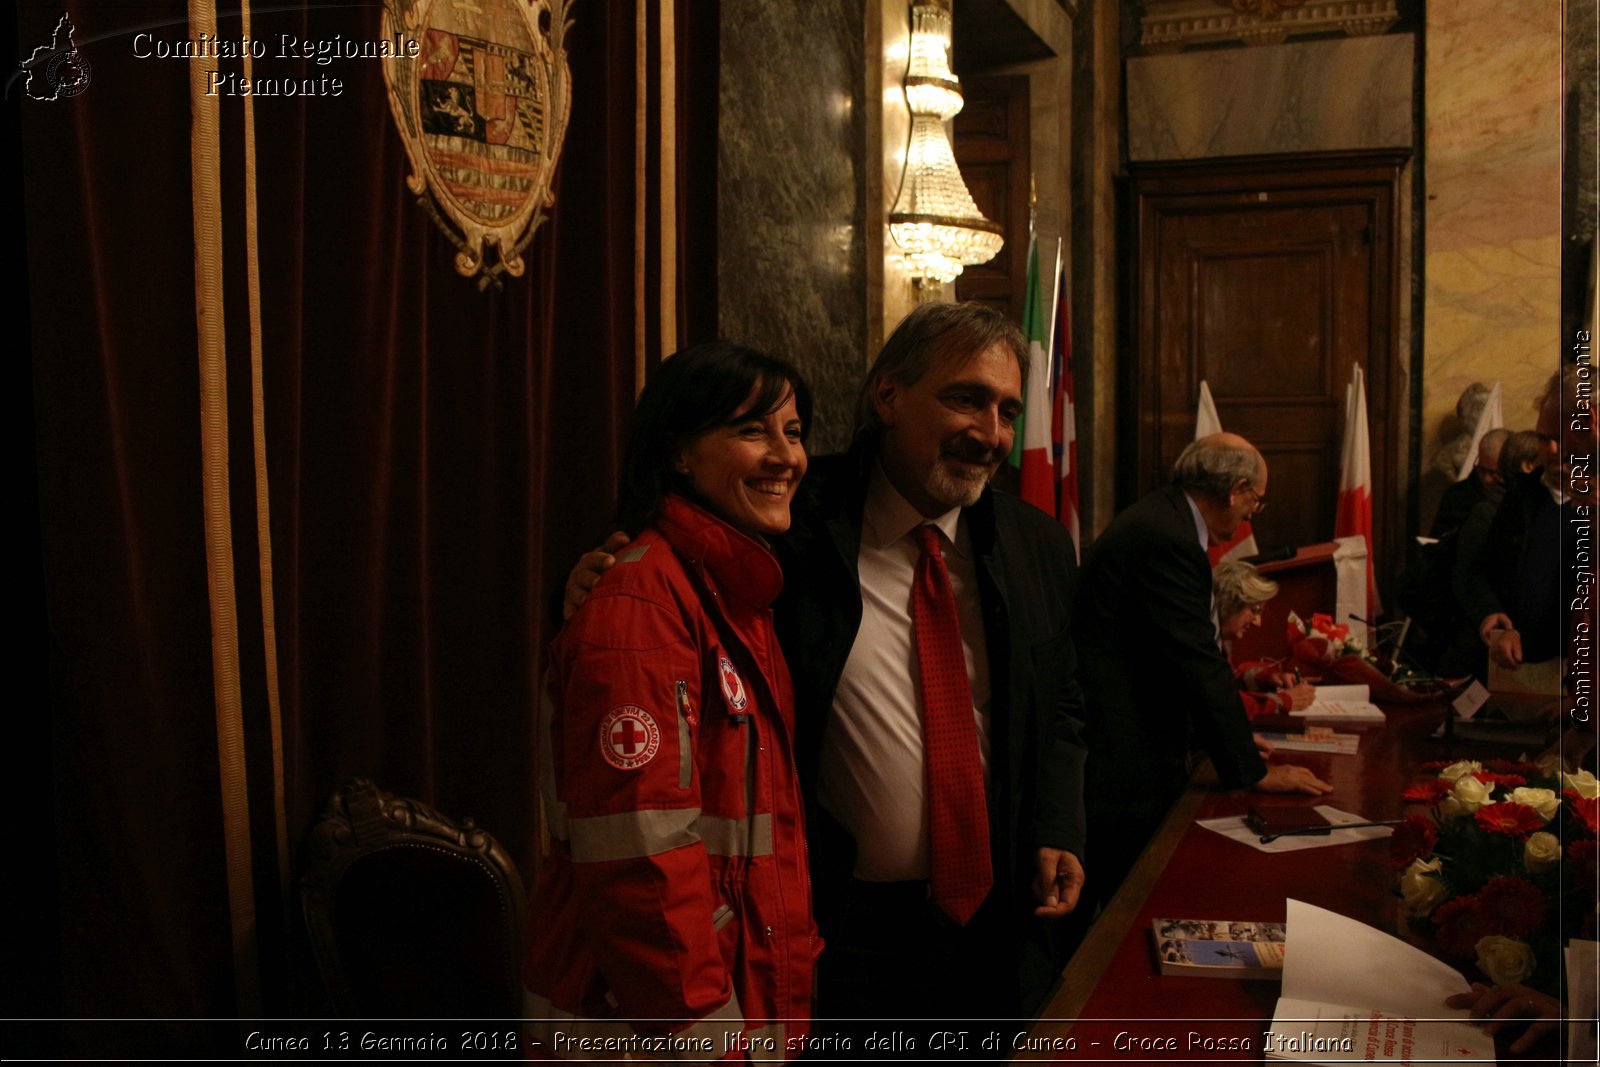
column 673, row 916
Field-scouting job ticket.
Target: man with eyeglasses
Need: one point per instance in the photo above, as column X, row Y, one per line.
column 1152, row 672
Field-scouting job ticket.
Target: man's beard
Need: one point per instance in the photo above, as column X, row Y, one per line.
column 956, row 485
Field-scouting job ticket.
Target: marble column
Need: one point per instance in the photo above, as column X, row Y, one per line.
column 1493, row 180
column 791, row 254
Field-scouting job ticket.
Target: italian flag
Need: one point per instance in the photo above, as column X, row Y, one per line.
column 1033, row 436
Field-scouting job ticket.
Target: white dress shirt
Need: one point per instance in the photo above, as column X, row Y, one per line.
column 872, row 777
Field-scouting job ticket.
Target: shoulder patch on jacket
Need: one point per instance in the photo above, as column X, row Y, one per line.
column 629, row 737
column 634, row 554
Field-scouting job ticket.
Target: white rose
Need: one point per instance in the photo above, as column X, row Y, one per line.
column 1459, row 769
column 1505, row 960
column 1467, row 797
column 1541, row 850
column 1543, row 801
column 1419, row 891
column 1583, row 783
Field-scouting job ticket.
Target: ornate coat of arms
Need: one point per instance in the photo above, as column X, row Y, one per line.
column 483, row 110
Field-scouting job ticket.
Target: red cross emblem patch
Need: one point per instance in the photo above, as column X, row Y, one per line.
column 732, row 685
column 629, row 737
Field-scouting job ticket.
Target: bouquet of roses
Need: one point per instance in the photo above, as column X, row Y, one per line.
column 1323, row 641
column 1500, row 851
column 1326, row 649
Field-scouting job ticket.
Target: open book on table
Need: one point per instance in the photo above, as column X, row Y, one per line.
column 1353, row 994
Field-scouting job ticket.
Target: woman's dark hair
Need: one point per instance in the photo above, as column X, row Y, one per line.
column 695, row 391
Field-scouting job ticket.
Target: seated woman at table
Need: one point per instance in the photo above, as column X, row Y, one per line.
column 677, row 889
column 1240, row 592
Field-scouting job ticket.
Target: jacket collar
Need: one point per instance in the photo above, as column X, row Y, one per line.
column 738, row 564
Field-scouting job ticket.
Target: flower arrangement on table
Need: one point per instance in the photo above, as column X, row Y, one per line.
column 1501, row 853
column 1325, row 649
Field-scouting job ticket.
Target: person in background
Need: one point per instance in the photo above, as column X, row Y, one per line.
column 1508, row 562
column 1152, row 669
column 676, row 898
column 1241, row 591
column 1483, row 480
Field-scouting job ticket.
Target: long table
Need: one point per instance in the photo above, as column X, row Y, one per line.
column 1113, row 1004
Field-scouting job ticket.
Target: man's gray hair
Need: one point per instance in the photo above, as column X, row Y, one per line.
column 935, row 333
column 1212, row 469
column 1237, row 583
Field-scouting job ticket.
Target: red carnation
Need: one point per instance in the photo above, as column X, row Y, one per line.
column 1504, row 781
column 1413, row 839
column 1516, row 820
column 1511, row 906
column 1511, row 766
column 1586, row 808
column 1430, row 792
column 1459, row 926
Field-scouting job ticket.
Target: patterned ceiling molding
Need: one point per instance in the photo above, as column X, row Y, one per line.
column 1172, row 25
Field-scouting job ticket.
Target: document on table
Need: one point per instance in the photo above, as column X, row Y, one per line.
column 1342, row 703
column 1233, row 827
column 1353, row 994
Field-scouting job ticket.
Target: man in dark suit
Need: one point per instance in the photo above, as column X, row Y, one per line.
column 1152, row 670
column 935, row 420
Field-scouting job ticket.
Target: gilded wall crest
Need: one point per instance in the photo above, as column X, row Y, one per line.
column 483, row 110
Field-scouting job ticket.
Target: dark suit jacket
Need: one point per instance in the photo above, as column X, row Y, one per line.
column 1026, row 570
column 1152, row 670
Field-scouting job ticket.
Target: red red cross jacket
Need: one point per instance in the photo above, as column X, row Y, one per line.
column 677, row 890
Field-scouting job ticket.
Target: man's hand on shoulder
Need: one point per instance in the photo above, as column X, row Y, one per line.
column 591, row 565
column 1287, row 778
column 1057, row 883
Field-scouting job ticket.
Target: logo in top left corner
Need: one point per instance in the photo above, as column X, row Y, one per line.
column 57, row 70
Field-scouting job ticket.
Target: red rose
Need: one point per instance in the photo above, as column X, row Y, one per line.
column 1459, row 925
column 1513, row 819
column 1413, row 839
column 1512, row 907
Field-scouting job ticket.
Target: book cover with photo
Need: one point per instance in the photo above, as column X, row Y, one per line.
column 1219, row 948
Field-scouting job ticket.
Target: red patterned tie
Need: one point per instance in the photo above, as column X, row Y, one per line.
column 958, row 810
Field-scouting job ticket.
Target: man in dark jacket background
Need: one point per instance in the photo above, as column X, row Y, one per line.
column 1152, row 670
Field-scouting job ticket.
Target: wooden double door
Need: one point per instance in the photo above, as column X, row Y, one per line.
column 1269, row 279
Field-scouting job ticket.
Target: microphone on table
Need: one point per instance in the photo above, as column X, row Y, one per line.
column 1422, row 672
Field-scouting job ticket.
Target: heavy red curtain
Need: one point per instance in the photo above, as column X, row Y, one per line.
column 438, row 456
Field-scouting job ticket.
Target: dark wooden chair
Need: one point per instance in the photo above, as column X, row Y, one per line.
column 411, row 914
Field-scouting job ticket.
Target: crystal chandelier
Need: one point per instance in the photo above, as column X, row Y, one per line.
column 937, row 226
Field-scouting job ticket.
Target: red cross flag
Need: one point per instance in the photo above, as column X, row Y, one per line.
column 1354, row 515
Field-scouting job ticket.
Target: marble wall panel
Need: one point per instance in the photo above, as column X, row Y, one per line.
column 1312, row 97
column 791, row 272
column 1492, row 245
